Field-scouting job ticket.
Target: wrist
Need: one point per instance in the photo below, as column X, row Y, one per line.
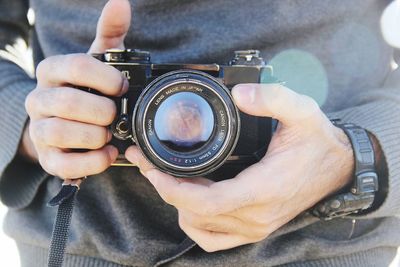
column 360, row 196
column 346, row 156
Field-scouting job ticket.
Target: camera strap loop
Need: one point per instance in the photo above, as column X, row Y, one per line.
column 65, row 201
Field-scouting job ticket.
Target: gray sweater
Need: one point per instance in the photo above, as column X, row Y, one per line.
column 331, row 50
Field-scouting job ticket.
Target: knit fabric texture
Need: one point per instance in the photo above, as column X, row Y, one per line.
column 331, row 50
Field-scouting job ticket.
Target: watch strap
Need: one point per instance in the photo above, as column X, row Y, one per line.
column 361, row 194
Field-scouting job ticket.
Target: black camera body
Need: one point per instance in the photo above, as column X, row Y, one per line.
column 182, row 116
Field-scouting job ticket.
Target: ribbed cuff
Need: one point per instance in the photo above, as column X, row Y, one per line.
column 19, row 180
column 377, row 257
column 382, row 119
column 33, row 256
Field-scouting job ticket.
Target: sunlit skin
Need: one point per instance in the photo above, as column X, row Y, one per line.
column 308, row 157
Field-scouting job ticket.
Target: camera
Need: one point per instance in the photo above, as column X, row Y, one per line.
column 182, row 116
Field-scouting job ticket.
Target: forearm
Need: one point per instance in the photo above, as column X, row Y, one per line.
column 19, row 178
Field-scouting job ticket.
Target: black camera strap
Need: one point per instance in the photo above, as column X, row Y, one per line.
column 65, row 201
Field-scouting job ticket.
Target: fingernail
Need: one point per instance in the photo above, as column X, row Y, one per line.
column 125, row 85
column 109, row 136
column 112, row 152
column 245, row 93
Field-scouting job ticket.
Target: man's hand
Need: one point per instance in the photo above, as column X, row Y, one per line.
column 308, row 159
column 64, row 118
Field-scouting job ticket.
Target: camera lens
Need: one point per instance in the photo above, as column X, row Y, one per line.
column 185, row 123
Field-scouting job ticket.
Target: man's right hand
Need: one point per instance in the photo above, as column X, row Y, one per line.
column 63, row 118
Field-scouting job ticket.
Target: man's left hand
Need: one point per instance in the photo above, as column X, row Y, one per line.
column 308, row 159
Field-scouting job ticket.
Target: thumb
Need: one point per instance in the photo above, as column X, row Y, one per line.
column 112, row 26
column 276, row 101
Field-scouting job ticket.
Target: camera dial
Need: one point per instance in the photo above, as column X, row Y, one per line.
column 247, row 58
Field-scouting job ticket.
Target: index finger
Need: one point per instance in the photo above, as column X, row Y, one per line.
column 194, row 194
column 199, row 195
column 81, row 70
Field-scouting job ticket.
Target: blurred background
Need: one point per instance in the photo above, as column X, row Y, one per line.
column 390, row 24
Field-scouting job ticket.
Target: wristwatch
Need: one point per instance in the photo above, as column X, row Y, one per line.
column 361, row 193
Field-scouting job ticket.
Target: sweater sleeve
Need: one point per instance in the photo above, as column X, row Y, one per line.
column 19, row 179
column 378, row 111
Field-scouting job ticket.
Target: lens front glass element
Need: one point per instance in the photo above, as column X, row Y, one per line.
column 184, row 122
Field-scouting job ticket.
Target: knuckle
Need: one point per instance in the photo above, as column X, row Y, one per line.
column 208, row 247
column 47, row 163
column 274, row 97
column 262, row 220
column 44, row 164
column 205, row 241
column 115, row 30
column 309, row 106
column 211, row 226
column 31, row 102
column 46, row 66
column 310, row 102
column 275, row 91
column 42, row 69
column 57, row 164
column 167, row 196
column 62, row 168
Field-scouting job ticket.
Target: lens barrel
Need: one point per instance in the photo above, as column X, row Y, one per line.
column 186, row 123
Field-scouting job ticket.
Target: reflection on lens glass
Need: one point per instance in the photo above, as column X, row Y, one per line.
column 184, row 122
